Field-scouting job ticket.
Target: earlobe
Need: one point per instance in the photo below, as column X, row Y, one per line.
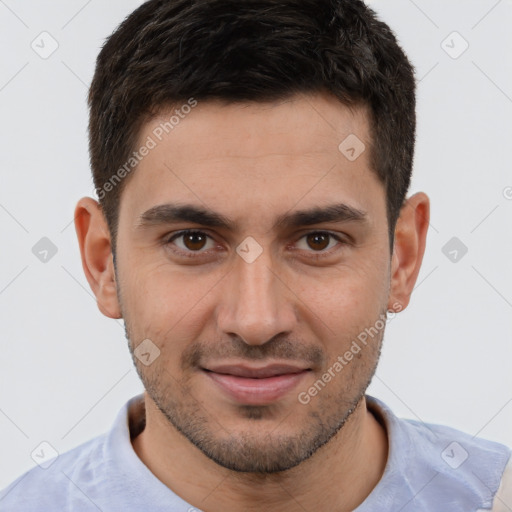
column 409, row 248
column 96, row 253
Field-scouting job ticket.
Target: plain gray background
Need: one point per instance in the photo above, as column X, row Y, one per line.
column 65, row 370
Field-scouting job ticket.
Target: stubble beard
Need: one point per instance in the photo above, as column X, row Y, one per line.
column 245, row 451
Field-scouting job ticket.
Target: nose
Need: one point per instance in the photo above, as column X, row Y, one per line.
column 256, row 303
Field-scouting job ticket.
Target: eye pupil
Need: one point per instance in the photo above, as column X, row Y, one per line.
column 194, row 241
column 318, row 238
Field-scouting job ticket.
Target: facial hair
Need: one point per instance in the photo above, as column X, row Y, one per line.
column 243, row 450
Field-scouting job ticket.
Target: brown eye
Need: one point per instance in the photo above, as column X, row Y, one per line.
column 318, row 241
column 194, row 241
column 191, row 242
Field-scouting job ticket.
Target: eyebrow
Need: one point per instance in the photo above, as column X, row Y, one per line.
column 173, row 213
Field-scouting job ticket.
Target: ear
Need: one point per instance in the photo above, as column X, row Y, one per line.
column 97, row 258
column 408, row 249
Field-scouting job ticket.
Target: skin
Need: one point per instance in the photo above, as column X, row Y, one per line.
column 252, row 163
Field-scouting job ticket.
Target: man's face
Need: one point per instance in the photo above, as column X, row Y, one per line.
column 255, row 293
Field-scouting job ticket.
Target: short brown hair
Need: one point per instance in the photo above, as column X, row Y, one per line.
column 169, row 51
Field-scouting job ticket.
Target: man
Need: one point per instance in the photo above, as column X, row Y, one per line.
column 252, row 160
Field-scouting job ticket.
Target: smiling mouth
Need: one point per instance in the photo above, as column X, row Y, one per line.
column 256, row 386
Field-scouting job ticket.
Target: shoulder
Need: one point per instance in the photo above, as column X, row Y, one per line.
column 437, row 461
column 454, row 449
column 471, row 467
column 55, row 485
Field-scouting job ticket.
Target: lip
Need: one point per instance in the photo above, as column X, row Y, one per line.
column 256, row 386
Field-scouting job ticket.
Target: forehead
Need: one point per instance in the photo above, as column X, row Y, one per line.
column 242, row 156
column 297, row 125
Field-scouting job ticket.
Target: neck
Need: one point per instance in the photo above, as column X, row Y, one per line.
column 340, row 475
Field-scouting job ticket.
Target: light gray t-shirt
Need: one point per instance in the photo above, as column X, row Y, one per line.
column 430, row 468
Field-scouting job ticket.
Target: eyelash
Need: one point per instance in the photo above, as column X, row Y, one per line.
column 196, row 254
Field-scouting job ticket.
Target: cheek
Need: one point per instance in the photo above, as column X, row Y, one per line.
column 167, row 305
column 347, row 297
